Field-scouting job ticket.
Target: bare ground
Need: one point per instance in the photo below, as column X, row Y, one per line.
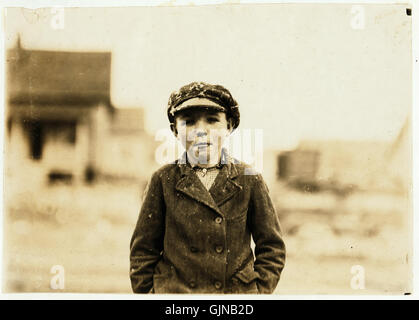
column 87, row 231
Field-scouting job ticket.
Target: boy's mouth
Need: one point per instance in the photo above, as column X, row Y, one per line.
column 202, row 144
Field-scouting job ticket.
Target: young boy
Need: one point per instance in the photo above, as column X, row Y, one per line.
column 194, row 230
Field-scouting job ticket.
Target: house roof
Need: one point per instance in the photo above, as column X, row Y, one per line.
column 57, row 77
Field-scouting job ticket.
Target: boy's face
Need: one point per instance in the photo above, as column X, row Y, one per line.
column 202, row 132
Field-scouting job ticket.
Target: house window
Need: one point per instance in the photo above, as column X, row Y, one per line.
column 60, row 131
column 47, row 132
column 9, row 127
column 35, row 134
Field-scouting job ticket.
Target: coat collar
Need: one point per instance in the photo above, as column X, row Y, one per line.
column 223, row 188
column 225, row 160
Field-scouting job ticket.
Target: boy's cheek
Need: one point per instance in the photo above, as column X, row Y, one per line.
column 221, row 134
column 218, row 140
column 183, row 140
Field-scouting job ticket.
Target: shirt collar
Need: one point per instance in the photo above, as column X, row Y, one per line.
column 225, row 161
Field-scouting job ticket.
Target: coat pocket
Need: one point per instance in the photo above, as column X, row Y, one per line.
column 162, row 270
column 162, row 278
column 245, row 280
column 247, row 276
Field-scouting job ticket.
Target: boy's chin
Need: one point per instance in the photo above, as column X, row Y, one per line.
column 205, row 157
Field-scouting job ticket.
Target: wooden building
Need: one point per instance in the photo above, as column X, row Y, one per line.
column 61, row 123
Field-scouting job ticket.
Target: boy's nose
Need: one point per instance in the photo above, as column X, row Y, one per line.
column 200, row 133
column 201, row 128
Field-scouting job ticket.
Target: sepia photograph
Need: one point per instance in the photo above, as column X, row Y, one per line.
column 259, row 148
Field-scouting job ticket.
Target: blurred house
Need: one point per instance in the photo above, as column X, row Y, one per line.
column 350, row 163
column 129, row 149
column 344, row 165
column 298, row 164
column 61, row 124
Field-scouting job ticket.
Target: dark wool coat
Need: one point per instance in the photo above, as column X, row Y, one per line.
column 189, row 240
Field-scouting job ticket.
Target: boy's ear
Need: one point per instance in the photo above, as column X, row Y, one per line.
column 173, row 128
column 230, row 125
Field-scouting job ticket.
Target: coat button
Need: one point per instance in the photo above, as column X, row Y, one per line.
column 219, row 249
column 192, row 284
column 218, row 284
column 218, row 220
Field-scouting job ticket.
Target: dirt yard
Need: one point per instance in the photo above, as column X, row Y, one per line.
column 87, row 230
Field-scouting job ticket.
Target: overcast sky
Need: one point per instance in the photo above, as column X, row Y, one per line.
column 297, row 71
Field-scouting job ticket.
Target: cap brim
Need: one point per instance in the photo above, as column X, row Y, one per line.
column 197, row 103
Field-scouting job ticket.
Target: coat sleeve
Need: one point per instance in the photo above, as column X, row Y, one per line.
column 267, row 235
column 147, row 240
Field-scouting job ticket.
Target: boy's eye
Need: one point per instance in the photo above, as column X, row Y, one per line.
column 189, row 121
column 212, row 119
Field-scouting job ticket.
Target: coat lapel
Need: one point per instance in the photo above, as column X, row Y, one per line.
column 223, row 188
column 190, row 185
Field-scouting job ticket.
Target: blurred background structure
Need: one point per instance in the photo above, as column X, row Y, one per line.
column 61, row 121
column 77, row 161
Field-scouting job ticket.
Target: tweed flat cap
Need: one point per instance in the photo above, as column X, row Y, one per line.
column 206, row 95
